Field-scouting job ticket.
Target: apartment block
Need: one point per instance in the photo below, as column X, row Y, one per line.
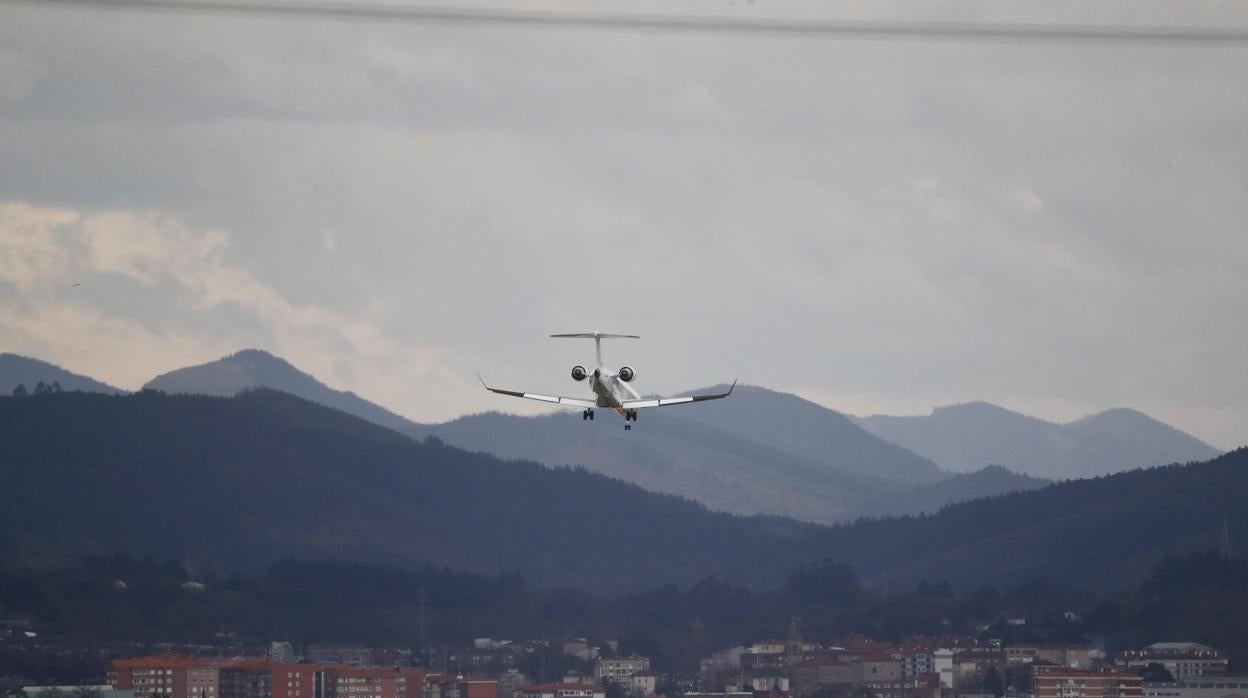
column 620, row 670
column 563, row 690
column 1068, row 683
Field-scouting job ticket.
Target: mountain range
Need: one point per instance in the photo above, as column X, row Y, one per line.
column 759, row 452
column 971, row 436
column 235, row 483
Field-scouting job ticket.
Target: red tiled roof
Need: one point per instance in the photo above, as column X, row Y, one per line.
column 257, row 663
column 167, row 661
column 1081, row 673
column 175, row 661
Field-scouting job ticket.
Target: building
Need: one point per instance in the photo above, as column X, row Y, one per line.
column 368, row 682
column 456, row 686
column 1183, row 660
column 350, row 655
column 620, row 670
column 1203, row 687
column 715, row 671
column 103, row 691
column 921, row 686
column 814, row 674
column 480, row 661
column 475, row 688
column 301, row 681
column 1071, row 683
column 972, row 664
column 415, row 677
column 562, row 690
column 281, row 653
column 942, row 666
column 925, row 686
column 244, row 679
column 916, row 663
column 754, row 661
column 1071, row 656
column 643, row 684
column 510, row 682
column 195, row 677
column 164, row 677
column 769, row 683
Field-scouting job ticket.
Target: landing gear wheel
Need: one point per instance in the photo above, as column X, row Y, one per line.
column 584, row 415
column 591, row 415
column 628, row 427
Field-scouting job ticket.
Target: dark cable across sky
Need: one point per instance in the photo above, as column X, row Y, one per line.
column 707, row 24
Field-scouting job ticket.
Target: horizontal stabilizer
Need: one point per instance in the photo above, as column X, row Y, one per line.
column 595, row 335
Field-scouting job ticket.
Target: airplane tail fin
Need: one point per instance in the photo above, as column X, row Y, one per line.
column 597, row 337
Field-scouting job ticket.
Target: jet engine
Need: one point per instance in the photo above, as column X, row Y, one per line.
column 627, row 374
column 578, row 373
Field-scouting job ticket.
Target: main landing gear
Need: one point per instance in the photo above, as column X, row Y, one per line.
column 629, row 416
column 587, row 414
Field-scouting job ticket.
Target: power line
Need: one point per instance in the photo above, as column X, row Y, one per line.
column 836, row 29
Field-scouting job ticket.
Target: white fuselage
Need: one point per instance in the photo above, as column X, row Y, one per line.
column 610, row 391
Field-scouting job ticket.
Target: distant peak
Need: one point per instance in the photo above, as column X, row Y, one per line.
column 258, row 359
column 1118, row 413
column 973, row 407
column 251, row 351
column 254, row 354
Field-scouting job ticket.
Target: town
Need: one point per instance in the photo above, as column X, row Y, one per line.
column 948, row 667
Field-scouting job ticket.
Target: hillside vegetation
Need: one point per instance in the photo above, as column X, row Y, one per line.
column 239, row 482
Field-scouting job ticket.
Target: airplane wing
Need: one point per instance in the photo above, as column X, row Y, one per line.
column 553, row 399
column 665, row 401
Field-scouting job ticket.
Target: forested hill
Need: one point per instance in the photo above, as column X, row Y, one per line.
column 18, row 370
column 242, row 481
column 239, row 482
column 1103, row 533
column 254, row 368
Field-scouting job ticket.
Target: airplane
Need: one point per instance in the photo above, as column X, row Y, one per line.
column 611, row 390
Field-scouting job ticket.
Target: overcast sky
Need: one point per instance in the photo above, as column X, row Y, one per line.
column 882, row 227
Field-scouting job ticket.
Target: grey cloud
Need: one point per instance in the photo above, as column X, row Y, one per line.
column 848, row 219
